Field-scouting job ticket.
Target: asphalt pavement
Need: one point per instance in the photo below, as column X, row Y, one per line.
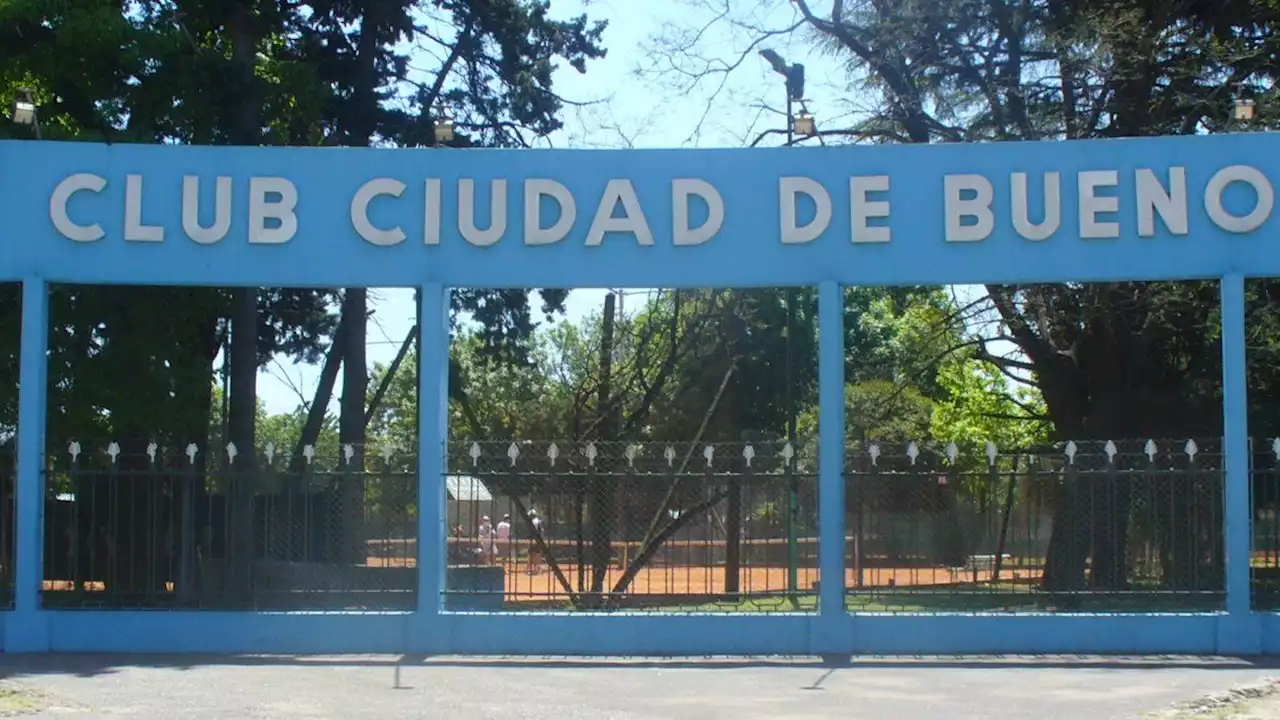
column 382, row 687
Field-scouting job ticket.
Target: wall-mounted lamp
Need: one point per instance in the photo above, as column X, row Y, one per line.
column 1244, row 109
column 805, row 126
column 444, row 128
column 24, row 108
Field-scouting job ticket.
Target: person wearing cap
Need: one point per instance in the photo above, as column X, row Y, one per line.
column 486, row 540
column 535, row 555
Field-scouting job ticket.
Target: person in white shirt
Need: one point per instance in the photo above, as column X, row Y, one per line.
column 486, row 540
column 503, row 533
column 535, row 556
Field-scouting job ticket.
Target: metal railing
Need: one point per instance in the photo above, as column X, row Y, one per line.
column 1084, row 526
column 614, row 526
column 8, row 479
column 148, row 527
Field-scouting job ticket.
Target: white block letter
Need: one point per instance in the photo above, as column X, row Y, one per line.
column 1022, row 211
column 467, row 212
column 862, row 209
column 789, row 190
column 260, row 209
column 1091, row 204
column 191, row 210
column 534, row 191
column 431, row 217
column 1239, row 223
column 1152, row 199
column 681, row 190
column 632, row 222
column 360, row 211
column 58, row 207
column 134, row 230
column 978, row 207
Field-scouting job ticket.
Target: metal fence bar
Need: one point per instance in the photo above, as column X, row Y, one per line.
column 613, row 526
column 1108, row 526
column 137, row 526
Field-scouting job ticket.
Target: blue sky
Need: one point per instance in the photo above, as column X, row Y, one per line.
column 631, row 106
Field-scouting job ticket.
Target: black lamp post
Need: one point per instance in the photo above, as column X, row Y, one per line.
column 794, row 76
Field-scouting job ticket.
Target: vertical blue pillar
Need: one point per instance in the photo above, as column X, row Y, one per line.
column 433, row 407
column 1239, row 630
column 26, row 628
column 833, row 622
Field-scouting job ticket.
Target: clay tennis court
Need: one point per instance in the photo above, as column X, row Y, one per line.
column 689, row 580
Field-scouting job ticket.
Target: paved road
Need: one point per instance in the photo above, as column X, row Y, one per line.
column 365, row 687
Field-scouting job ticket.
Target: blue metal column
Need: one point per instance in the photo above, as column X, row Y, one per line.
column 832, row 628
column 1239, row 631
column 433, row 408
column 26, row 628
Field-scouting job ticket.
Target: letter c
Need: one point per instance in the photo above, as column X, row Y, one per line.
column 58, row 207
column 360, row 212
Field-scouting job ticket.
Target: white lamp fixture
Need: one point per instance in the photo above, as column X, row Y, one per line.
column 805, row 126
column 24, row 108
column 1244, row 109
column 444, row 127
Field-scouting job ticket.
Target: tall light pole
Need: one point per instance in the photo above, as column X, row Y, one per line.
column 794, row 76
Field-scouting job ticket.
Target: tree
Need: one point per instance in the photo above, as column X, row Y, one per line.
column 1113, row 360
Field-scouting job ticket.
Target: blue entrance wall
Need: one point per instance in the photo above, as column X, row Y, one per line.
column 1170, row 208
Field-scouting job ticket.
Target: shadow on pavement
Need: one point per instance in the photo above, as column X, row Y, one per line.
column 89, row 665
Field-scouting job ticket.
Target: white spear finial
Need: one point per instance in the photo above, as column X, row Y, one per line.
column 348, row 452
column 308, row 453
column 152, row 448
column 873, row 451
column 953, row 452
column 992, row 452
column 709, row 452
column 475, row 454
column 1070, row 451
column 748, row 454
column 113, row 451
column 670, row 455
column 1150, row 450
column 592, row 454
column 1111, row 450
column 630, row 453
column 913, row 451
column 192, row 450
column 513, row 453
column 553, row 452
column 1190, row 449
column 788, row 452
column 232, row 452
column 74, row 450
column 270, row 451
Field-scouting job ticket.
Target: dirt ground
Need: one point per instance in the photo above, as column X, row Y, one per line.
column 686, row 580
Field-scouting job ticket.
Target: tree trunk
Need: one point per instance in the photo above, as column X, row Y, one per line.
column 351, row 425
column 242, row 415
column 602, row 488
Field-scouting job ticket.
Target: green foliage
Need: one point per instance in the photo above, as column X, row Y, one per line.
column 980, row 407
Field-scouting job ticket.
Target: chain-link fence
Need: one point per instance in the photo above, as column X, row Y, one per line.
column 1090, row 526
column 8, row 480
column 1265, row 475
column 597, row 526
column 140, row 526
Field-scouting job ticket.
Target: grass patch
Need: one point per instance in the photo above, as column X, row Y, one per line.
column 16, row 701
